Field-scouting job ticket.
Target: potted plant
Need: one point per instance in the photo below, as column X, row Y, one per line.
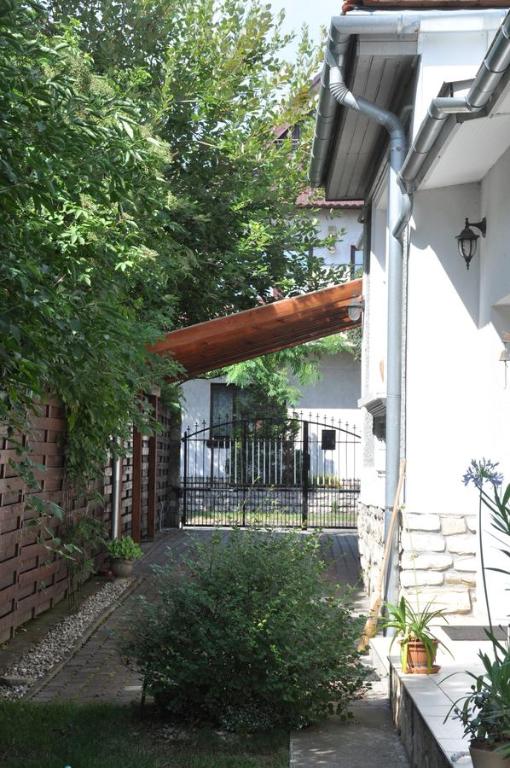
column 485, row 712
column 123, row 553
column 418, row 647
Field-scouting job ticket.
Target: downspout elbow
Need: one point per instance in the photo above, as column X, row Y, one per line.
column 346, row 98
column 339, row 89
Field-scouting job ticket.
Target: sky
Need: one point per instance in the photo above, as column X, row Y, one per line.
column 315, row 13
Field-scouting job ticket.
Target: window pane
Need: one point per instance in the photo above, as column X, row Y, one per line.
column 222, row 409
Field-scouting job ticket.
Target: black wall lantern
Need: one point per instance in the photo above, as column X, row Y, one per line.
column 468, row 240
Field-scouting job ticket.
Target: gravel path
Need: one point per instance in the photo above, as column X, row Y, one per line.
column 59, row 643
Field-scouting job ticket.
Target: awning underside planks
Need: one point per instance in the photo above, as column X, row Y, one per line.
column 269, row 328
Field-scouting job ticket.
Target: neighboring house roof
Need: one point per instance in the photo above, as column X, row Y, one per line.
column 226, row 340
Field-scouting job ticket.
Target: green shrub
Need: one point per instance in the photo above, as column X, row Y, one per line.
column 248, row 635
column 124, row 549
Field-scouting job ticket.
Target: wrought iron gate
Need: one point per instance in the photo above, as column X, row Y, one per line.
column 295, row 473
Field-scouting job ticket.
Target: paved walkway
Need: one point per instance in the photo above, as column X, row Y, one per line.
column 97, row 673
column 368, row 739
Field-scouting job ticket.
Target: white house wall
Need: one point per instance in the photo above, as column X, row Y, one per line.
column 345, row 226
column 373, row 386
column 374, row 360
column 494, row 320
column 334, row 396
column 456, row 405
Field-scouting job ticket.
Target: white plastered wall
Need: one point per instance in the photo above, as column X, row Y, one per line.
column 334, row 396
column 457, row 405
column 345, row 226
column 374, row 359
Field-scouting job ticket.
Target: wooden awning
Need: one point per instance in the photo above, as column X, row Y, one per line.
column 269, row 328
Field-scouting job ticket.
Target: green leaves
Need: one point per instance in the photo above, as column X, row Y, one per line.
column 485, row 712
column 248, row 635
column 410, row 624
column 78, row 185
column 145, row 183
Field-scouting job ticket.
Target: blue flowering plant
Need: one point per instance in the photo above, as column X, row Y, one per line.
column 485, row 476
column 485, row 712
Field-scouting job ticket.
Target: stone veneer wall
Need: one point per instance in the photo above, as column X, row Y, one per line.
column 370, row 543
column 438, row 560
column 437, row 557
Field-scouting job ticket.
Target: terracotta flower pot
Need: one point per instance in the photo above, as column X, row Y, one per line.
column 122, row 568
column 483, row 757
column 417, row 661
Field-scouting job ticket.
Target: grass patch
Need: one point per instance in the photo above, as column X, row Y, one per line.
column 105, row 736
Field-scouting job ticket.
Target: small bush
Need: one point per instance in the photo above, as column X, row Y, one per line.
column 248, row 635
column 124, row 549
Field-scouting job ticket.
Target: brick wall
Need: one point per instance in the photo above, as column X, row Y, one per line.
column 32, row 577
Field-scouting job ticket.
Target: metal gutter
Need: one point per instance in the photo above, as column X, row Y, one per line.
column 492, row 69
column 342, row 29
column 464, row 5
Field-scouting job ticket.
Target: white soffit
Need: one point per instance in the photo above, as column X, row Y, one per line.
column 472, row 148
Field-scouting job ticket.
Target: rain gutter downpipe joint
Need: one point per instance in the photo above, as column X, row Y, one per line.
column 492, row 69
column 399, row 209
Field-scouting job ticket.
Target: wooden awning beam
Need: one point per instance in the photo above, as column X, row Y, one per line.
column 269, row 328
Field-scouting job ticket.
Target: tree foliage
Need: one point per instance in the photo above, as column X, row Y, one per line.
column 215, row 88
column 85, row 208
column 276, row 378
column 144, row 185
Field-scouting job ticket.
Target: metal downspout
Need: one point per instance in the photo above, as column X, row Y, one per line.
column 399, row 206
column 401, row 23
